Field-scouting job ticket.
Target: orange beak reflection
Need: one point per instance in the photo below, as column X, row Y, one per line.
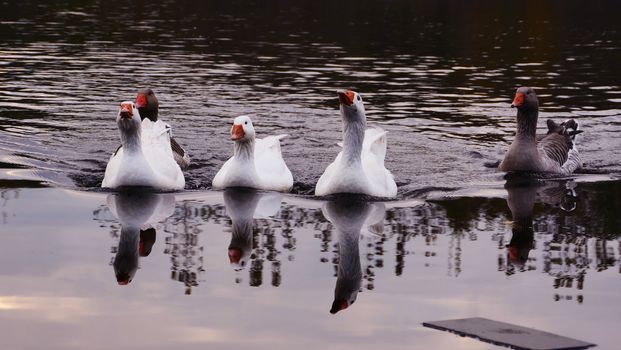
column 346, row 97
column 234, row 255
column 237, row 132
column 339, row 305
column 518, row 100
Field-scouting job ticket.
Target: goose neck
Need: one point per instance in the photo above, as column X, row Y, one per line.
column 244, row 150
column 527, row 124
column 131, row 141
column 353, row 138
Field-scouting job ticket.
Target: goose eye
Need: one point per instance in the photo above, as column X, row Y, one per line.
column 359, row 98
column 246, row 123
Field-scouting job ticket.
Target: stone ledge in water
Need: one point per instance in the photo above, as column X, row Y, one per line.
column 506, row 334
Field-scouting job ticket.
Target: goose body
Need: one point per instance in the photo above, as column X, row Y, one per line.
column 145, row 158
column 148, row 106
column 555, row 152
column 359, row 167
column 256, row 163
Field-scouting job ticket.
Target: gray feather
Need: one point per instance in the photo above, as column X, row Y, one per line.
column 559, row 140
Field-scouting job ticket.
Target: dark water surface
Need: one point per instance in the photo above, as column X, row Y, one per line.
column 439, row 76
column 200, row 269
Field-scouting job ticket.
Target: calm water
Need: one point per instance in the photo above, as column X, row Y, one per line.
column 200, row 268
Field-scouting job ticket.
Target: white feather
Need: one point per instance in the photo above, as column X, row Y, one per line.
column 369, row 176
column 266, row 170
column 153, row 165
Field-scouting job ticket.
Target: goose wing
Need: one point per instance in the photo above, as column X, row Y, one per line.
column 375, row 142
column 559, row 145
column 270, row 165
column 158, row 152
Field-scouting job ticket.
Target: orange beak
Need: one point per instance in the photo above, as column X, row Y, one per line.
column 518, row 100
column 346, row 97
column 126, row 110
column 237, row 132
column 141, row 101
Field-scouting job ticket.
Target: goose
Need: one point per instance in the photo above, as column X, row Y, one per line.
column 554, row 152
column 351, row 217
column 148, row 106
column 145, row 158
column 256, row 163
column 359, row 167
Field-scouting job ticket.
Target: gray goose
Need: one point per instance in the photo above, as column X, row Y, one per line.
column 148, row 107
column 554, row 152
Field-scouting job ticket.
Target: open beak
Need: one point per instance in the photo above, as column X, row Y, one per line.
column 237, row 132
column 518, row 100
column 126, row 111
column 141, row 101
column 346, row 97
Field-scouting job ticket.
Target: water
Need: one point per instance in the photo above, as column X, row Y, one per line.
column 439, row 76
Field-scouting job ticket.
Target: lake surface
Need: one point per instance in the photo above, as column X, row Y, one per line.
column 82, row 267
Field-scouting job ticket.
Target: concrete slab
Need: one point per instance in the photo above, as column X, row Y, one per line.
column 506, row 334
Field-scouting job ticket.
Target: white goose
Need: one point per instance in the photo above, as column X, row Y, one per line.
column 359, row 167
column 256, row 163
column 146, row 157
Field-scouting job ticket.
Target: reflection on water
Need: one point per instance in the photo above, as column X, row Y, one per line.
column 137, row 214
column 242, row 207
column 521, row 196
column 443, row 258
column 570, row 245
column 137, row 218
column 555, row 227
column 350, row 216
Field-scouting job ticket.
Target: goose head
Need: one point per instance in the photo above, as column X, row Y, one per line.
column 352, row 107
column 147, row 239
column 147, row 104
column 525, row 99
column 128, row 118
column 242, row 130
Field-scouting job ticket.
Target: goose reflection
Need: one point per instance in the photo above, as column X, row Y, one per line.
column 137, row 212
column 521, row 197
column 351, row 216
column 243, row 205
